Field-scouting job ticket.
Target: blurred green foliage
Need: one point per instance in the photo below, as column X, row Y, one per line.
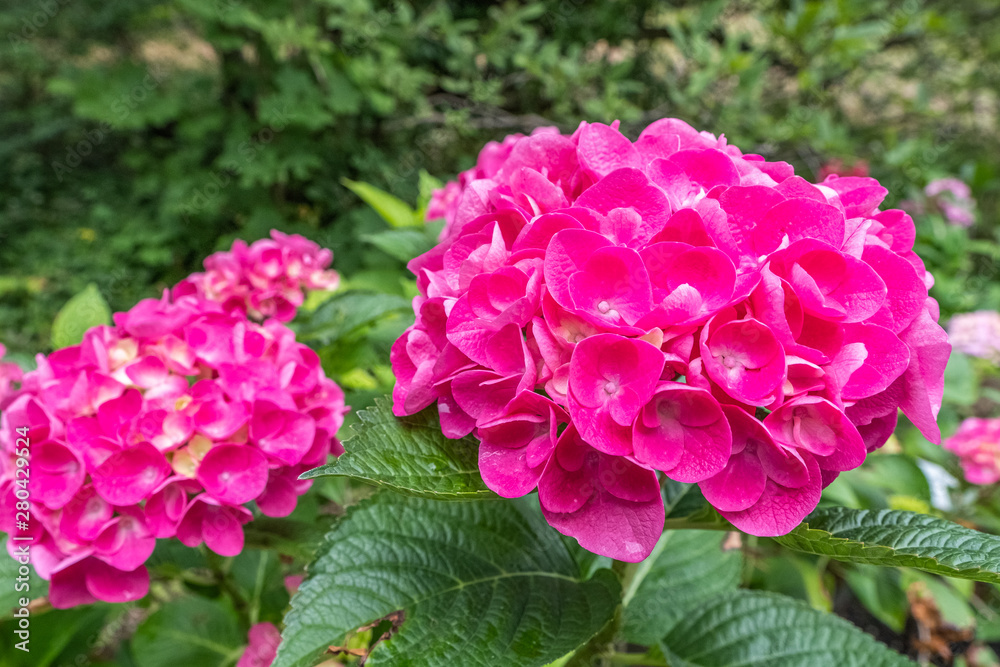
column 136, row 137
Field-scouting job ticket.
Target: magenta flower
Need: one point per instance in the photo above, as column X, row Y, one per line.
column 264, row 279
column 977, row 445
column 609, row 503
column 610, row 379
column 600, row 311
column 167, row 425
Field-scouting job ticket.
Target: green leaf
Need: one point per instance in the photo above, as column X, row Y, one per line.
column 683, row 501
column 961, row 385
column 900, row 539
column 286, row 536
column 753, row 628
column 392, row 209
column 83, row 311
column 480, row 583
column 885, row 476
column 880, row 590
column 9, row 595
column 189, row 631
column 409, row 455
column 57, row 637
column 685, row 568
column 346, row 313
column 402, row 244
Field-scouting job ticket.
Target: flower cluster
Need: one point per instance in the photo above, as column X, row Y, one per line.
column 977, row 334
column 954, row 199
column 164, row 425
column 601, row 310
column 977, row 444
column 264, row 279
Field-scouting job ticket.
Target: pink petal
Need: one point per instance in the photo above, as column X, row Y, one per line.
column 779, row 509
column 906, row 290
column 612, row 527
column 796, row 219
column 233, row 474
column 223, row 531
column 682, row 431
column 125, row 543
column 629, row 188
column 57, row 473
column 830, row 284
column 602, row 150
column 130, row 475
column 744, row 358
column 281, row 495
column 612, row 287
column 817, row 426
column 112, row 585
column 284, row 435
column 85, row 515
column 740, row 484
column 922, row 385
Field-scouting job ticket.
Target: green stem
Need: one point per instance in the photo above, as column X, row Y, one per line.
column 626, row 572
column 640, row 570
column 636, row 659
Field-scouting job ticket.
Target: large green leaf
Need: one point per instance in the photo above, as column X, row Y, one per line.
column 480, row 583
column 409, row 455
column 896, row 538
column 753, row 628
column 685, row 568
column 403, row 244
column 83, row 311
column 57, row 637
column 286, row 536
column 189, row 631
column 392, row 209
column 347, row 312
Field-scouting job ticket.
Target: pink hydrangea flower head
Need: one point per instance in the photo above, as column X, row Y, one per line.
column 166, row 425
column 264, row 279
column 977, row 334
column 601, row 311
column 977, row 445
